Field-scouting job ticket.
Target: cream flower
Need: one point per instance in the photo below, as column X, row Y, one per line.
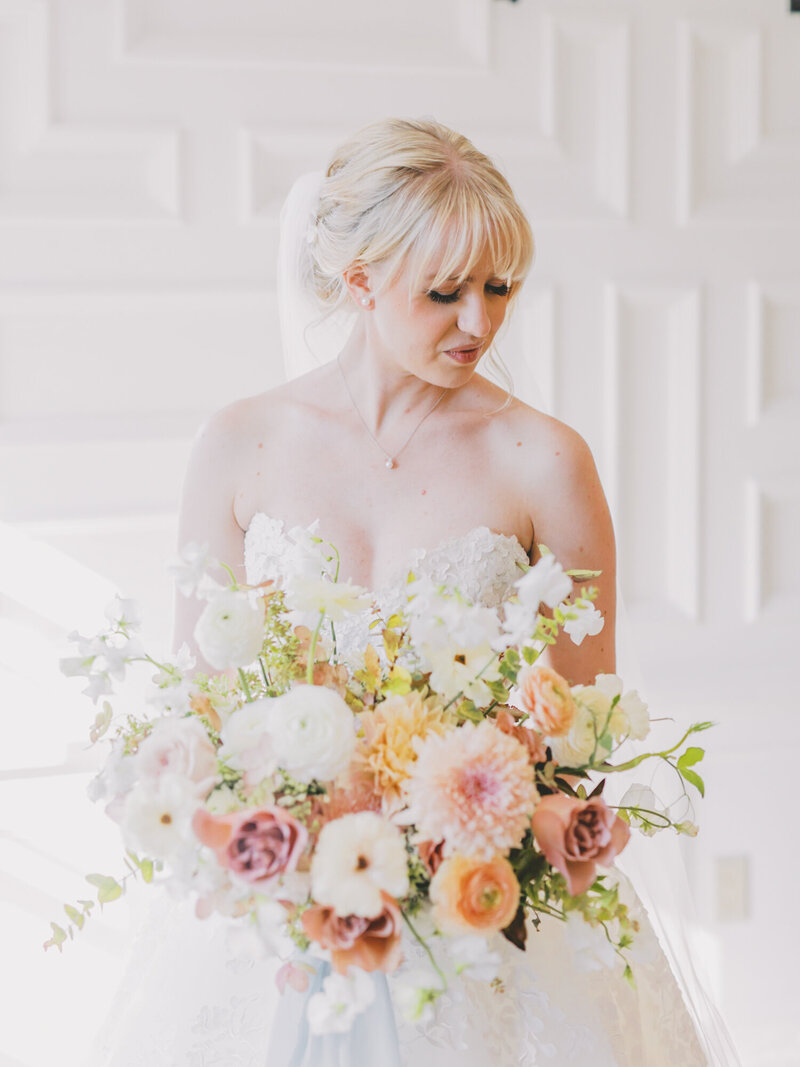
column 181, row 747
column 335, row 599
column 312, row 731
column 356, row 857
column 456, row 669
column 156, row 819
column 583, row 620
column 630, row 717
column 246, row 742
column 230, row 631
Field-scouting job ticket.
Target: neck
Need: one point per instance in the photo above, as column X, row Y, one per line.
column 386, row 393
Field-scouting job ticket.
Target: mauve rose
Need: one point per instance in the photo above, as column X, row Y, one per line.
column 372, row 944
column 255, row 844
column 531, row 740
column 575, row 835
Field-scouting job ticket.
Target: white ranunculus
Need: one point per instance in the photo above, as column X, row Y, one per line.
column 587, row 623
column 181, row 747
column 343, row 997
column 544, row 583
column 356, row 857
column 230, row 631
column 642, row 796
column 246, row 741
column 313, row 732
column 156, row 819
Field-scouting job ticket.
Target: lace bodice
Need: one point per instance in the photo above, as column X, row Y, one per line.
column 481, row 564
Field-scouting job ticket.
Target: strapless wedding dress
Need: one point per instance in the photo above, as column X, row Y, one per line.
column 188, row 1001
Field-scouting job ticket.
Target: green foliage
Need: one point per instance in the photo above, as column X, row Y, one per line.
column 108, row 888
column 685, row 762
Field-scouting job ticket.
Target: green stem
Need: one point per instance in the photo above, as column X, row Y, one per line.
column 424, row 944
column 312, row 651
column 647, row 755
column 225, row 567
column 264, row 674
column 245, row 686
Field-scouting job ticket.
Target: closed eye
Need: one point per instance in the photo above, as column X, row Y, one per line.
column 450, row 298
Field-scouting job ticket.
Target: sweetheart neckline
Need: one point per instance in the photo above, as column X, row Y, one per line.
column 414, row 555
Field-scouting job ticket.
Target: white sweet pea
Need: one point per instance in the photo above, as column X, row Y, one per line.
column 454, row 670
column 230, row 631
column 343, row 997
column 356, row 857
column 336, row 599
column 123, row 613
column 189, row 567
column 312, row 731
column 545, row 583
column 642, row 796
column 416, row 993
column 472, row 957
column 592, row 951
column 586, row 620
column 519, row 625
column 172, row 699
column 99, row 686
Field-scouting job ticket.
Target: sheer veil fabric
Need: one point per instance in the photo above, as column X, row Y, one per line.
column 312, row 337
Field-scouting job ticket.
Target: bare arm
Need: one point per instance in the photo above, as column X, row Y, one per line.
column 206, row 511
column 572, row 519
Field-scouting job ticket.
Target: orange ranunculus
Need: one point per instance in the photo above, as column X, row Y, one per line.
column 547, row 698
column 372, row 944
column 472, row 895
column 575, row 835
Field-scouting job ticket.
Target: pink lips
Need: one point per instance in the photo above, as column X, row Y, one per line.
column 464, row 355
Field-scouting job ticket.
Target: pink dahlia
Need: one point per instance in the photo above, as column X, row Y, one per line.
column 473, row 789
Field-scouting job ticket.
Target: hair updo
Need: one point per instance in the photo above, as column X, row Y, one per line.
column 408, row 192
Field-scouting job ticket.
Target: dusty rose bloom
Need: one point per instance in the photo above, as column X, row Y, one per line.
column 531, row 739
column 431, row 853
column 372, row 944
column 547, row 698
column 354, row 792
column 575, row 835
column 255, row 844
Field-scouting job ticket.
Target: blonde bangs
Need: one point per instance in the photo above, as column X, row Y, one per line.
column 462, row 225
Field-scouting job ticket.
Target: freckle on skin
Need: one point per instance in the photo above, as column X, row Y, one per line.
column 424, row 491
column 558, row 453
column 519, row 443
column 260, row 444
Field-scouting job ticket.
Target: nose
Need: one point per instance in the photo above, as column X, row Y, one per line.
column 473, row 316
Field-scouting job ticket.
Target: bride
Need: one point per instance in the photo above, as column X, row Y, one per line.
column 403, row 455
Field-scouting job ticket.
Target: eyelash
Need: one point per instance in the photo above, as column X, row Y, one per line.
column 450, row 298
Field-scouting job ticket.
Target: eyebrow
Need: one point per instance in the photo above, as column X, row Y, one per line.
column 452, row 278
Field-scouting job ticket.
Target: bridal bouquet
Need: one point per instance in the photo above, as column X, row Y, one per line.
column 440, row 778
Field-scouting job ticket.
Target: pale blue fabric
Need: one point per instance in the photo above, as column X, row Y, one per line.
column 372, row 1038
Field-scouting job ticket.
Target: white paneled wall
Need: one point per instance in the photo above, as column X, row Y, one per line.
column 145, row 149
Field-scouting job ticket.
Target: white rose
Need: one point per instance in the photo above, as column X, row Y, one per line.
column 230, row 631
column 356, row 857
column 246, row 742
column 576, row 748
column 313, row 732
column 181, row 747
column 630, row 717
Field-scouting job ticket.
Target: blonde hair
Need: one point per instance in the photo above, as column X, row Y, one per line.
column 411, row 193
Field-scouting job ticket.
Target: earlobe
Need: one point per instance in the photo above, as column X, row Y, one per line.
column 357, row 280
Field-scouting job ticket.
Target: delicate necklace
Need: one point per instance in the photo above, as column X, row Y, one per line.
column 391, row 460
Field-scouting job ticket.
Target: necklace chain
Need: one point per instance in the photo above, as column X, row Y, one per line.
column 391, row 460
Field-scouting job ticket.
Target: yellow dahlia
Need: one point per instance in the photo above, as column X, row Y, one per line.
column 393, row 732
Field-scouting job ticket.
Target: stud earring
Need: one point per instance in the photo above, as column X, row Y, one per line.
column 365, row 300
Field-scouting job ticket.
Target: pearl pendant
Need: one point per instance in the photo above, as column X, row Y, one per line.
column 391, row 463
